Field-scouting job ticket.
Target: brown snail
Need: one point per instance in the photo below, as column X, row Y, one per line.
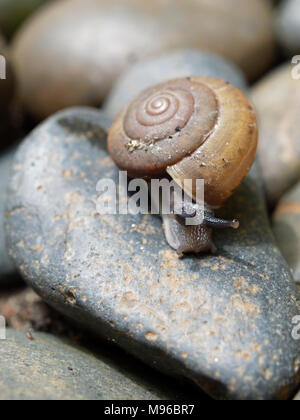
column 191, row 128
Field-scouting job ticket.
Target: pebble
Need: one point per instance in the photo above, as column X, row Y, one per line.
column 277, row 102
column 286, row 223
column 112, row 34
column 224, row 322
column 45, row 367
column 162, row 67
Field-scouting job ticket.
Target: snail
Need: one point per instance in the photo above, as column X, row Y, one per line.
column 190, row 128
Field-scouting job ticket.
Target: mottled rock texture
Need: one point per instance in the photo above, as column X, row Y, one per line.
column 112, row 34
column 48, row 368
column 170, row 65
column 288, row 26
column 286, row 223
column 223, row 321
column 277, row 101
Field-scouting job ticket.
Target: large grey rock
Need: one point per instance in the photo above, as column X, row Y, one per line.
column 170, row 65
column 223, row 321
column 49, row 368
column 7, row 269
column 288, row 26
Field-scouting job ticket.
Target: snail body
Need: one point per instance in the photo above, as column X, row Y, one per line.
column 191, row 128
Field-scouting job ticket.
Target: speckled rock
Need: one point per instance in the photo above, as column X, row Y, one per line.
column 7, row 271
column 288, row 26
column 14, row 12
column 48, row 368
column 221, row 321
column 277, row 101
column 111, row 34
column 286, row 223
column 170, row 65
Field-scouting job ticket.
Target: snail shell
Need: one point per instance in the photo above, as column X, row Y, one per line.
column 191, row 128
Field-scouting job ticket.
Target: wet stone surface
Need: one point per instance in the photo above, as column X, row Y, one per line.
column 277, row 101
column 162, row 67
column 222, row 321
column 286, row 224
column 48, row 368
column 7, row 270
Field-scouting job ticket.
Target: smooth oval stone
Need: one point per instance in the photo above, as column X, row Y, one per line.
column 222, row 321
column 277, row 101
column 288, row 26
column 286, row 223
column 49, row 368
column 111, row 34
column 8, row 274
column 14, row 12
column 170, row 65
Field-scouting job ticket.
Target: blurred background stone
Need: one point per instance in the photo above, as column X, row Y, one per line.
column 14, row 12
column 286, row 223
column 170, row 65
column 8, row 274
column 2, row 42
column 288, row 27
column 72, row 52
column 39, row 366
column 277, row 101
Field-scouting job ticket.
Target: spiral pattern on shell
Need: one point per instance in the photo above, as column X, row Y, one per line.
column 191, row 128
column 159, row 115
column 162, row 125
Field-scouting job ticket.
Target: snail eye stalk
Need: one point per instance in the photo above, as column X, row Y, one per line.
column 216, row 223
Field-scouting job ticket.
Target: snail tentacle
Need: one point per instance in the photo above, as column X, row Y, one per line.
column 217, row 223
